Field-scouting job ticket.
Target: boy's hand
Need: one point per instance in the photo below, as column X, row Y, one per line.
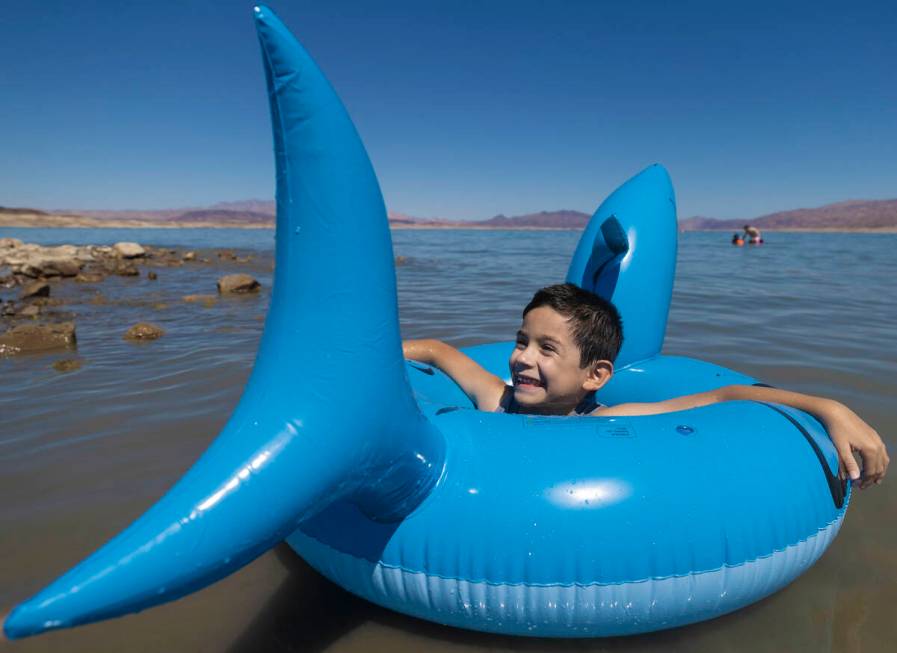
column 850, row 433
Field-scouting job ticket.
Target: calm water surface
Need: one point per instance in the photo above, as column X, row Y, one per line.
column 84, row 453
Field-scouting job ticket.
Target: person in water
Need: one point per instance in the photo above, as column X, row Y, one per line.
column 564, row 353
column 752, row 234
column 737, row 239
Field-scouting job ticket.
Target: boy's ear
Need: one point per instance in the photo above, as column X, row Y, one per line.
column 598, row 375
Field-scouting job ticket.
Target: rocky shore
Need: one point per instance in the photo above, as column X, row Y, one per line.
column 127, row 291
column 35, row 315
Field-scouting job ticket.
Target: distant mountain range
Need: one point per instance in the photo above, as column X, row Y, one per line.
column 852, row 215
column 849, row 215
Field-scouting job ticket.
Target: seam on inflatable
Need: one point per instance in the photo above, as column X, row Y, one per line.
column 380, row 566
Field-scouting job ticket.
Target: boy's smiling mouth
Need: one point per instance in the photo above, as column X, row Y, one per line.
column 524, row 381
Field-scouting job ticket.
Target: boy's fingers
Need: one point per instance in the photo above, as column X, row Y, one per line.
column 849, row 462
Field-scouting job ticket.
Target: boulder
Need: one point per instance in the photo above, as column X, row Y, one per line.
column 189, row 256
column 35, row 289
column 207, row 300
column 89, row 277
column 237, row 284
column 38, row 337
column 32, row 310
column 67, row 364
column 10, row 243
column 152, row 276
column 122, row 268
column 129, row 250
column 144, row 331
column 60, row 267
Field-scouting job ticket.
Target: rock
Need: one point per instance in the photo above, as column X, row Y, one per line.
column 401, row 260
column 36, row 261
column 61, row 268
column 32, row 310
column 89, row 277
column 8, row 310
column 227, row 255
column 144, row 331
column 67, row 364
column 129, row 250
column 123, row 269
column 207, row 300
column 39, row 337
column 10, row 243
column 237, row 284
column 152, row 276
column 189, row 256
column 47, row 301
column 35, row 289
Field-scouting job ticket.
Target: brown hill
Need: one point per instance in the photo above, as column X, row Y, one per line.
column 544, row 219
column 849, row 215
column 223, row 217
column 9, row 210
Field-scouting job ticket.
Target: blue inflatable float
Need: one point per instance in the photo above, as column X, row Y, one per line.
column 397, row 489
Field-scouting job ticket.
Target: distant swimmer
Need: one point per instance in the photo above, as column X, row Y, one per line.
column 737, row 240
column 753, row 235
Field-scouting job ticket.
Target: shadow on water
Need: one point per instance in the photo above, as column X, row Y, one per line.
column 306, row 613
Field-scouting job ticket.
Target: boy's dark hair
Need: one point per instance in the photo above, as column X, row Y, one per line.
column 595, row 322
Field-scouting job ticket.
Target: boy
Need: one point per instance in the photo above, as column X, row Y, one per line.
column 565, row 351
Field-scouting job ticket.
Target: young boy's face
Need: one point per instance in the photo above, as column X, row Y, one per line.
column 544, row 365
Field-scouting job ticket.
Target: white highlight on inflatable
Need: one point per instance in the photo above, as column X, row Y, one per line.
column 244, row 472
column 632, row 239
column 588, row 494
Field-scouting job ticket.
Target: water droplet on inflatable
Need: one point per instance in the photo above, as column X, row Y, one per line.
column 684, row 429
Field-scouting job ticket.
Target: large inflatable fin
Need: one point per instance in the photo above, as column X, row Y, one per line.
column 330, row 361
column 627, row 254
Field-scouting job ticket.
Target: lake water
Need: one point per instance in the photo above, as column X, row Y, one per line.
column 85, row 452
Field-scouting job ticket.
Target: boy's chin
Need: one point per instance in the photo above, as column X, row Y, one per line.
column 528, row 395
column 531, row 398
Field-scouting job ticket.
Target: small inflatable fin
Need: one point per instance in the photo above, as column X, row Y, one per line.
column 302, row 435
column 627, row 254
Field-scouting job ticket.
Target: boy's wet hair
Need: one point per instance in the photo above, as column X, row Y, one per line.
column 594, row 322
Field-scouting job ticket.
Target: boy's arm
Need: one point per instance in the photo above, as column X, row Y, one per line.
column 484, row 388
column 846, row 429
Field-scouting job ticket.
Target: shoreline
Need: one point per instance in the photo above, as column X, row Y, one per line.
column 45, row 221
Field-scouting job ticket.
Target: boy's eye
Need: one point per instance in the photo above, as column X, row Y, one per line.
column 548, row 348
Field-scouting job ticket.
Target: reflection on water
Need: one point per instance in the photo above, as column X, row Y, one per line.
column 83, row 453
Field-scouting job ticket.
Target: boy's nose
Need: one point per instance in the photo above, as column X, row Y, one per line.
column 525, row 356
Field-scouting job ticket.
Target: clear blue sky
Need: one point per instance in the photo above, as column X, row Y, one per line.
column 468, row 109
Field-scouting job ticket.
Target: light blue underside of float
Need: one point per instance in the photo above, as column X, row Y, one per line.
column 407, row 486
column 568, row 610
